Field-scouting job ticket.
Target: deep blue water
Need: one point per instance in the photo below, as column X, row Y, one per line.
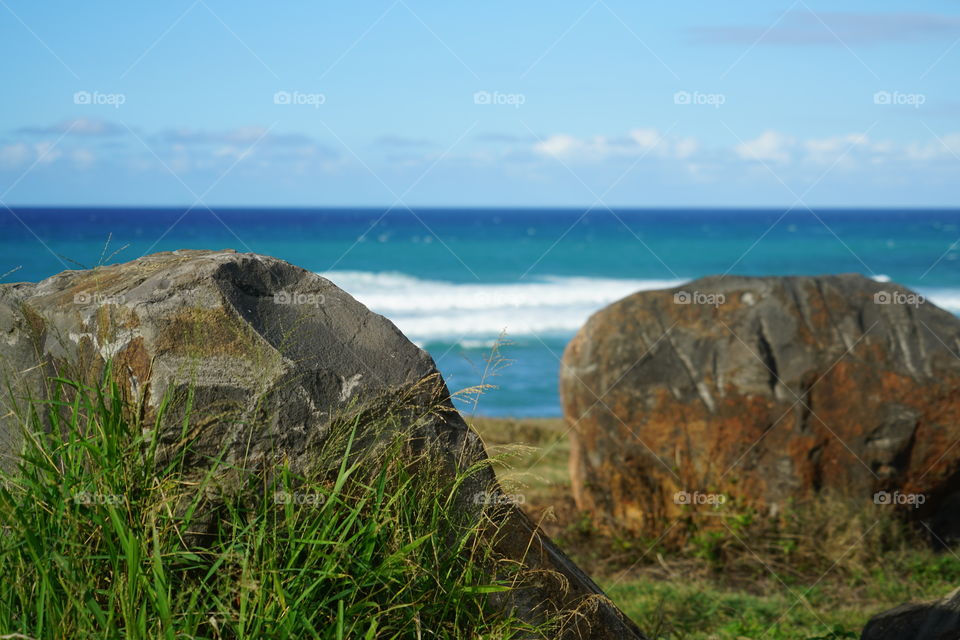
column 452, row 279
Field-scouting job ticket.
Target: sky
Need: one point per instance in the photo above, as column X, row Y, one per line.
column 497, row 103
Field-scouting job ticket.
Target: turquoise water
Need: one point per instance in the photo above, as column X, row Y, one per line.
column 453, row 279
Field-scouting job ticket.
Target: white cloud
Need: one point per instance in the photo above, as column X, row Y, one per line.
column 14, row 155
column 947, row 146
column 77, row 127
column 844, row 150
column 771, row 146
column 835, row 145
column 686, row 147
column 252, row 135
column 597, row 148
column 21, row 154
column 833, row 28
column 83, row 158
column 558, row 145
column 46, row 153
column 850, row 151
column 645, row 138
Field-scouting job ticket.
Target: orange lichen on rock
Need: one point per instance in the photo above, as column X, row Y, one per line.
column 778, row 389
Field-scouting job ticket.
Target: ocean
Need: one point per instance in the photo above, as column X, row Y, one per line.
column 460, row 281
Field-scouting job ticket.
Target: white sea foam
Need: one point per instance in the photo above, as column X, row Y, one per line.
column 948, row 299
column 475, row 313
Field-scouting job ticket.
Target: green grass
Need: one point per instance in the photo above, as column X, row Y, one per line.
column 99, row 539
column 818, row 570
column 699, row 610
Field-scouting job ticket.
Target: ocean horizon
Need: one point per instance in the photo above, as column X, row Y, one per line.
column 458, row 281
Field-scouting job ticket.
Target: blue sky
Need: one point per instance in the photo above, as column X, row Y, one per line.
column 478, row 104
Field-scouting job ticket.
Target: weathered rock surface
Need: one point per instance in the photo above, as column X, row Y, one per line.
column 274, row 356
column 255, row 339
column 936, row 620
column 764, row 389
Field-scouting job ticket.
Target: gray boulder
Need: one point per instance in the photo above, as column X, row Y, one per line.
column 936, row 620
column 277, row 352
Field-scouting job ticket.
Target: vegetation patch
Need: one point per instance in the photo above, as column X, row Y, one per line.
column 96, row 542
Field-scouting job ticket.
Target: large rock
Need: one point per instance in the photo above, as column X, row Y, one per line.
column 937, row 620
column 277, row 352
column 763, row 390
column 274, row 357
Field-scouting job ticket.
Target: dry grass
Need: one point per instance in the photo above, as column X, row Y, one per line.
column 532, row 458
column 818, row 569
